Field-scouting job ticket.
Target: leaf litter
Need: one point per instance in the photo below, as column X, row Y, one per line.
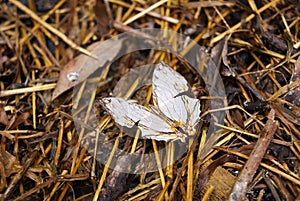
column 255, row 45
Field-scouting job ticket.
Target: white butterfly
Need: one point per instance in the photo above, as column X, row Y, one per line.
column 175, row 113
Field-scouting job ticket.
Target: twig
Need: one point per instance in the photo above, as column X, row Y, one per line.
column 241, row 186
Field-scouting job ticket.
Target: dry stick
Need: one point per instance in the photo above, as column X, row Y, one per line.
column 269, row 184
column 286, row 195
column 124, row 28
column 292, row 116
column 56, row 179
column 241, row 186
column 190, row 172
column 143, row 188
column 59, row 143
column 285, row 89
column 33, row 103
column 161, row 195
column 208, row 193
column 247, row 85
column 55, row 187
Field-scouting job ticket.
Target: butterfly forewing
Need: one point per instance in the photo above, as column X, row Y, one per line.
column 151, row 125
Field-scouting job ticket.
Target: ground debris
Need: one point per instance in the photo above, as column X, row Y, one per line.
column 49, row 48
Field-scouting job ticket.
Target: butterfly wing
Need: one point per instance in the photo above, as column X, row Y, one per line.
column 172, row 96
column 151, row 125
column 167, row 82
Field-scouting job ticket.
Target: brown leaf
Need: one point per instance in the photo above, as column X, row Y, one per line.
column 296, row 73
column 237, row 117
column 274, row 41
column 3, row 116
column 83, row 66
column 3, row 183
column 10, row 162
column 216, row 52
column 102, row 17
column 23, row 118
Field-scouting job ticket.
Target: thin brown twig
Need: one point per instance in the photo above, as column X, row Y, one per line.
column 241, row 186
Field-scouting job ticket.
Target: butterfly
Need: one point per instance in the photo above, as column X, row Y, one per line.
column 174, row 115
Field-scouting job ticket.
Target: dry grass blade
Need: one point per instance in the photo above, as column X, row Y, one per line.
column 27, row 90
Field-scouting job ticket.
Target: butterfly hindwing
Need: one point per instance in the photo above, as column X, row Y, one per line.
column 169, row 89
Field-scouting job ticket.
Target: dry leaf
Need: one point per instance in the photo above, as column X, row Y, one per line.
column 102, row 17
column 3, row 116
column 10, row 162
column 23, row 118
column 83, row 66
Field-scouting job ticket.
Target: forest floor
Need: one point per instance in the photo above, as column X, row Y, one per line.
column 60, row 140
